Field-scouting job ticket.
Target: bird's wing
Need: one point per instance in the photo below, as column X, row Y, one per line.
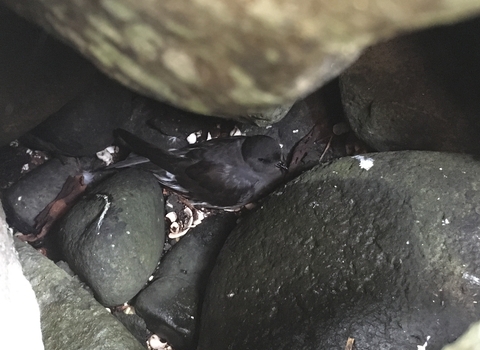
column 131, row 160
column 221, row 184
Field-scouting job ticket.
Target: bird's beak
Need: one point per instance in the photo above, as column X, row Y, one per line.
column 282, row 166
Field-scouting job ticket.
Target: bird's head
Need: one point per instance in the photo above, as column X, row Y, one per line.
column 263, row 154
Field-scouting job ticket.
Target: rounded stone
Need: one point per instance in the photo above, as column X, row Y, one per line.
column 113, row 238
column 387, row 256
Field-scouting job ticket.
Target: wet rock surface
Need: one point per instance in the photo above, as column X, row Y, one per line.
column 171, row 304
column 113, row 238
column 413, row 93
column 388, row 256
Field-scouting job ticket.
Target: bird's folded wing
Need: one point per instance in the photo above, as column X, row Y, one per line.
column 132, row 160
column 217, row 182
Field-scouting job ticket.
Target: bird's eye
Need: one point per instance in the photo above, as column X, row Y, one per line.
column 263, row 160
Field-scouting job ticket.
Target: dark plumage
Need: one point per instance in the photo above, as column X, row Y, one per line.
column 219, row 173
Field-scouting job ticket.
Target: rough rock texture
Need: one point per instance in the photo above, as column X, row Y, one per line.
column 231, row 57
column 39, row 75
column 414, row 93
column 135, row 325
column 71, row 318
column 20, row 309
column 388, row 256
column 113, row 238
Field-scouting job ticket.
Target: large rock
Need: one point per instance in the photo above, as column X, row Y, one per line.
column 231, row 57
column 171, row 304
column 113, row 238
column 388, row 256
column 413, row 93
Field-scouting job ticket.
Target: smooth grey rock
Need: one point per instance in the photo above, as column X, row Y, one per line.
column 413, row 93
column 85, row 124
column 231, row 57
column 171, row 304
column 20, row 309
column 71, row 318
column 388, row 256
column 113, row 237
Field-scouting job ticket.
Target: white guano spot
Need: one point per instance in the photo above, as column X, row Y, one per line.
column 471, row 278
column 365, row 163
column 236, row 132
column 104, row 211
column 106, row 155
column 424, row 346
column 192, row 138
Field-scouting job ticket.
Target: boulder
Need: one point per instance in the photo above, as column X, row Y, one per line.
column 113, row 238
column 381, row 248
column 229, row 57
column 413, row 93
